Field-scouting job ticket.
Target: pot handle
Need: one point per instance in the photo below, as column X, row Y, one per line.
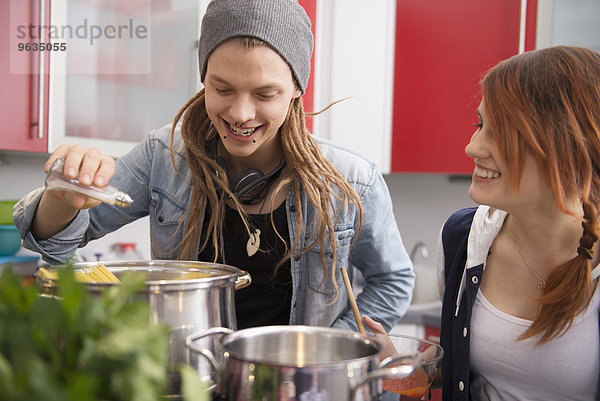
column 243, row 280
column 213, row 331
column 396, row 372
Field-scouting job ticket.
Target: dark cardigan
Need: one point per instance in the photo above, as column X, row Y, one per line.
column 455, row 330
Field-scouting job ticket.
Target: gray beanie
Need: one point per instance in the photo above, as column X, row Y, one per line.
column 282, row 24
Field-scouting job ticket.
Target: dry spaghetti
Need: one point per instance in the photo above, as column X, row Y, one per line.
column 90, row 274
column 96, row 274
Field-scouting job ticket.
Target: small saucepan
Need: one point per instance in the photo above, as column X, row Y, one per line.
column 294, row 363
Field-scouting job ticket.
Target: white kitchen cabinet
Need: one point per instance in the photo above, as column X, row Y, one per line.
column 109, row 92
column 97, row 84
column 354, row 57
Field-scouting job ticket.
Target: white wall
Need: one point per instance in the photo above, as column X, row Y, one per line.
column 568, row 22
column 421, row 203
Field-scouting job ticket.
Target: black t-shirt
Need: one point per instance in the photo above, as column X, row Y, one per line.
column 267, row 300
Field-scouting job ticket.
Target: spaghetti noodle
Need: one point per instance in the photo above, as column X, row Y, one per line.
column 90, row 274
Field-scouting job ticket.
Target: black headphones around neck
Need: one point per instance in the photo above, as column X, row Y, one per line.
column 250, row 179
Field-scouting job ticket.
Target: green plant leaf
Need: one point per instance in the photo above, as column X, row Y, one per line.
column 79, row 345
column 193, row 387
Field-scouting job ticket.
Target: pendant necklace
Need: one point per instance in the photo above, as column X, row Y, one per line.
column 541, row 282
column 253, row 243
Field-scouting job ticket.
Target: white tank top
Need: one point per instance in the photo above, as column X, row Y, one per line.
column 565, row 368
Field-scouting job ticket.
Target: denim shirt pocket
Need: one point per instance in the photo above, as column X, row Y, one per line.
column 165, row 228
column 317, row 281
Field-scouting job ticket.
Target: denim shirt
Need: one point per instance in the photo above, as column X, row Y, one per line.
column 163, row 192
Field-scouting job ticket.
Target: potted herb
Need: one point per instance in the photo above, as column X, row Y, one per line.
column 76, row 346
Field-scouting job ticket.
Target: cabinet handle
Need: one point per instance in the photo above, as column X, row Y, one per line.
column 522, row 26
column 41, row 78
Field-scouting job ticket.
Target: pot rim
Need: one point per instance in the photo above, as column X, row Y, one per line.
column 224, row 275
column 337, row 332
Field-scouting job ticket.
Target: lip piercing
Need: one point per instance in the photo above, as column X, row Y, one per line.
column 254, row 141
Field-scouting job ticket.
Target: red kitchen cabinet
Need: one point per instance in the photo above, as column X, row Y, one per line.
column 442, row 50
column 20, row 82
column 310, row 6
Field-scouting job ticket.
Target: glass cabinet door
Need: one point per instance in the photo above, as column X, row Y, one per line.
column 128, row 67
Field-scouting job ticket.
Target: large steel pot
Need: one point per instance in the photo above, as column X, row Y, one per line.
column 296, row 363
column 185, row 305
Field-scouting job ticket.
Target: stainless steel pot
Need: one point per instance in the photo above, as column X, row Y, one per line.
column 185, row 305
column 295, row 363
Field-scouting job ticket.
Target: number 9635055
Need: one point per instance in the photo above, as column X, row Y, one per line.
column 40, row 47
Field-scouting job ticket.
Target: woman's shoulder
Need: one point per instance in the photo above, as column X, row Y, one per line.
column 461, row 218
column 458, row 225
column 481, row 221
column 481, row 216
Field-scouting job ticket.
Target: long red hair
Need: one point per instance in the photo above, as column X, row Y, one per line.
column 548, row 102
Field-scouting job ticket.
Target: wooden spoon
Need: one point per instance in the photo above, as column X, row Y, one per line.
column 357, row 317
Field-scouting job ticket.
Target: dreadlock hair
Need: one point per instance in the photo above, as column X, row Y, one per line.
column 308, row 169
column 546, row 102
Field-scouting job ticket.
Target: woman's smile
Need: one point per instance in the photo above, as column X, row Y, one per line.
column 482, row 173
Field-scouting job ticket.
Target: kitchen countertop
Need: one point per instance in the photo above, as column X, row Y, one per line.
column 425, row 314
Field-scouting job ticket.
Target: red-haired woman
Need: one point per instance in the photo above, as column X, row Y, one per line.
column 519, row 273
